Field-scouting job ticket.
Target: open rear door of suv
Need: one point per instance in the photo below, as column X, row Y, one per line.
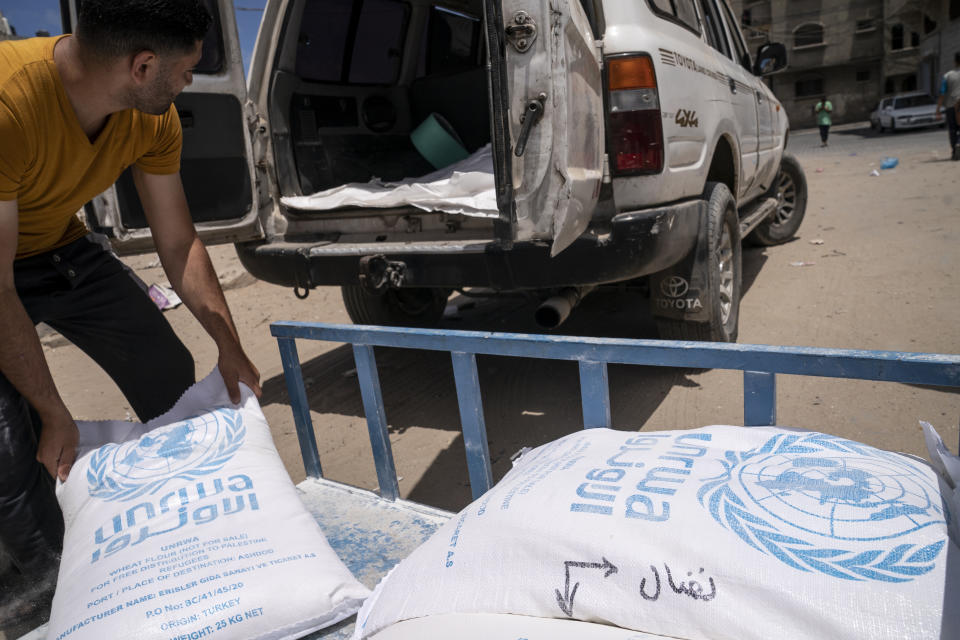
column 215, row 166
column 554, row 126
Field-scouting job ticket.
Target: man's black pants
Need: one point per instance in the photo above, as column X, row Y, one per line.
column 90, row 297
column 952, row 127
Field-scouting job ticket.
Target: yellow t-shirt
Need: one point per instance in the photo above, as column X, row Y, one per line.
column 48, row 164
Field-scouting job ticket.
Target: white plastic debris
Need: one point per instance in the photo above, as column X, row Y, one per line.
column 164, row 297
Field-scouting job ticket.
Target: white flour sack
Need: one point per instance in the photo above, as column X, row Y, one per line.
column 189, row 527
column 713, row 533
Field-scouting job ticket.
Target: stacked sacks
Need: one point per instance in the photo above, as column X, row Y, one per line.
column 189, row 527
column 720, row 532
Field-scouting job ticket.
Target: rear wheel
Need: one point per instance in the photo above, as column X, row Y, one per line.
column 790, row 190
column 723, row 275
column 407, row 307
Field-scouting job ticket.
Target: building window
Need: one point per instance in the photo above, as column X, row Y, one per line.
column 807, row 35
column 888, row 86
column 914, row 39
column 745, row 19
column 808, row 88
column 929, row 25
column 866, row 26
column 863, row 75
column 954, row 9
column 896, row 37
column 909, row 84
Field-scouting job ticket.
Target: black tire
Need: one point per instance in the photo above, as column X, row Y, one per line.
column 724, row 271
column 408, row 307
column 790, row 190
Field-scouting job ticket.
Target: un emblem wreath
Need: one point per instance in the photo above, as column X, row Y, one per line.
column 813, row 476
column 106, row 482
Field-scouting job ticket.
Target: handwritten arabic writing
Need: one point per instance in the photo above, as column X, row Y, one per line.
column 692, row 587
column 695, row 585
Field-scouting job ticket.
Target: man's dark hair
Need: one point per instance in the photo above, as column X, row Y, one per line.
column 116, row 28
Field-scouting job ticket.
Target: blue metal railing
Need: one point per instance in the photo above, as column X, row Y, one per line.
column 760, row 365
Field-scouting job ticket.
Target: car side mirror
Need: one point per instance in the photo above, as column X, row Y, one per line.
column 771, row 58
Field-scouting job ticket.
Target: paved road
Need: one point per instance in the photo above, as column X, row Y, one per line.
column 860, row 138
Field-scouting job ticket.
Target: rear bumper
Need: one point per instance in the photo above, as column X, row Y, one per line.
column 639, row 243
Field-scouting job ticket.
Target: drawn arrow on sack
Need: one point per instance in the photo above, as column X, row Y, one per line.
column 565, row 599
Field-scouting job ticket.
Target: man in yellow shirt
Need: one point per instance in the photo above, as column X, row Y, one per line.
column 75, row 111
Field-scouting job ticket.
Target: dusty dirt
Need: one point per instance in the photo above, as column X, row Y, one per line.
column 885, row 276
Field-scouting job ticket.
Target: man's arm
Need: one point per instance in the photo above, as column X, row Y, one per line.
column 191, row 273
column 23, row 363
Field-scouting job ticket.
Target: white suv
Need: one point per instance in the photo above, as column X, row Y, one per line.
column 629, row 140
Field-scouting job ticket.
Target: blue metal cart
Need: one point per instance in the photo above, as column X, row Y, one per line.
column 372, row 532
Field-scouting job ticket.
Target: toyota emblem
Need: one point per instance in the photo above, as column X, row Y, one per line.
column 674, row 287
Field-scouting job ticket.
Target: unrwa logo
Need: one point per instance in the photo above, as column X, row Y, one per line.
column 821, row 503
column 184, row 450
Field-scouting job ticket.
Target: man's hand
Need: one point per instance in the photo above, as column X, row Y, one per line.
column 235, row 367
column 22, row 361
column 58, row 445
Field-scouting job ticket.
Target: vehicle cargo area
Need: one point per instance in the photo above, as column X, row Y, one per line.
column 353, row 86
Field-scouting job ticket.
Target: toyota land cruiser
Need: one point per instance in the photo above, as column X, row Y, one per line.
column 629, row 140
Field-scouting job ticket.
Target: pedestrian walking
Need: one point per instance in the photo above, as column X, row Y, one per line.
column 950, row 97
column 823, row 109
column 75, row 111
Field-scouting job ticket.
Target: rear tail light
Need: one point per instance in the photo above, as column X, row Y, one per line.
column 636, row 129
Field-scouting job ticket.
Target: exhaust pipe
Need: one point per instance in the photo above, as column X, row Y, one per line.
column 555, row 311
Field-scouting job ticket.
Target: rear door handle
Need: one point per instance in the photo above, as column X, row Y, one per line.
column 733, row 84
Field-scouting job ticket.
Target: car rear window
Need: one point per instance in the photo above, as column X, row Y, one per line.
column 912, row 101
column 352, row 41
column 452, row 43
column 679, row 11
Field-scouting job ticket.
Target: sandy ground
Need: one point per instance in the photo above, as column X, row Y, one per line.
column 882, row 273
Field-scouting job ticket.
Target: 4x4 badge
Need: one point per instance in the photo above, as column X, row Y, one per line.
column 687, row 118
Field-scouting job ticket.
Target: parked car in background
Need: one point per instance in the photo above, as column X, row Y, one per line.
column 906, row 111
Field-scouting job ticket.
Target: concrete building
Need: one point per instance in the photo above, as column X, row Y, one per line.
column 854, row 51
column 939, row 45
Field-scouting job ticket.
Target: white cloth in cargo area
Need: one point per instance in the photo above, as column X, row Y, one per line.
column 466, row 187
column 189, row 527
column 718, row 533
